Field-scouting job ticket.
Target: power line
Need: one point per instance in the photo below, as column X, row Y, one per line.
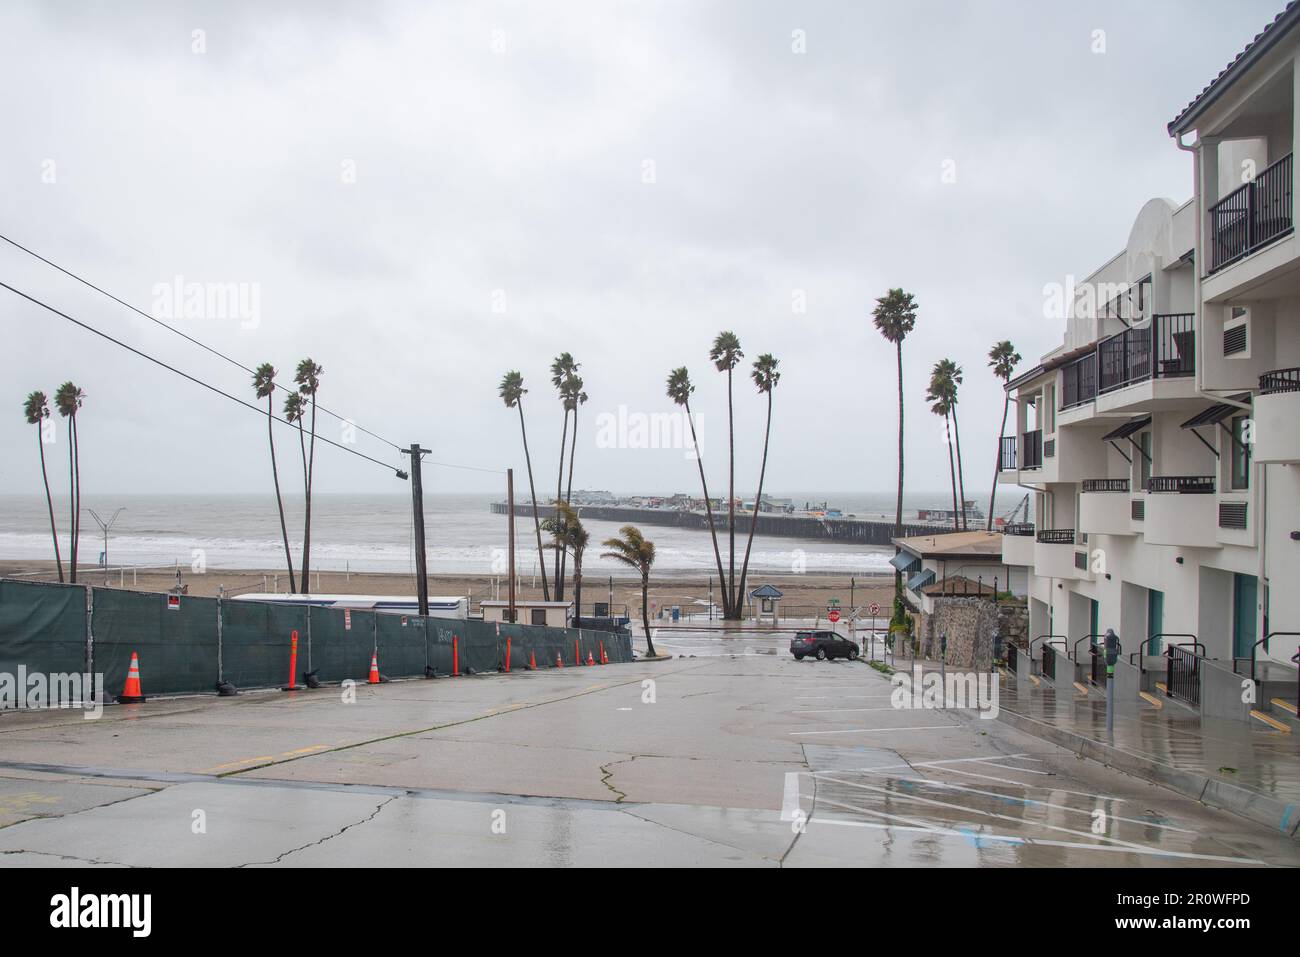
column 186, row 375
column 185, row 336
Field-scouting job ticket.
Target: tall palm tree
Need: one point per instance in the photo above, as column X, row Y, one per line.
column 567, row 530
column 894, row 317
column 952, row 374
column 562, row 367
column 940, row 395
column 765, row 377
column 37, row 410
column 512, row 393
column 308, row 378
column 571, row 390
column 69, row 399
column 1003, row 358
column 679, row 390
column 636, row 551
column 294, row 410
column 264, row 386
column 726, row 355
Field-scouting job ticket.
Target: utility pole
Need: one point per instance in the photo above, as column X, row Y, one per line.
column 510, row 498
column 417, row 507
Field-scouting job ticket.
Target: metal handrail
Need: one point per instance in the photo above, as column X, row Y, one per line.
column 1146, row 643
column 1254, row 649
column 1074, row 651
column 1030, row 652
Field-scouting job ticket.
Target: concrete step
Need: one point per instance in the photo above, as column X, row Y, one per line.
column 1272, row 722
column 1151, row 699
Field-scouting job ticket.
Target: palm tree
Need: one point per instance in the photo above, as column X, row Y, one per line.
column 726, row 355
column 571, row 390
column 69, row 399
column 894, row 317
column 37, row 410
column 940, row 395
column 765, row 377
column 679, row 390
column 512, row 393
column 308, row 378
column 562, row 368
column 264, row 386
column 294, row 410
column 636, row 551
column 1002, row 360
column 952, row 375
column 567, row 530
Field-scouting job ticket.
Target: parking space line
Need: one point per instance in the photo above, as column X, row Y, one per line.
column 928, row 727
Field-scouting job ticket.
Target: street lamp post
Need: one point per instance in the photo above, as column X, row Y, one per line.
column 104, row 527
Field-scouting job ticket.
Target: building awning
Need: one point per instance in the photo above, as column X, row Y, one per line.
column 902, row 560
column 1127, row 429
column 1217, row 413
column 921, row 579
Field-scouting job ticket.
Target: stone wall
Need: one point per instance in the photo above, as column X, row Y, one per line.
column 971, row 625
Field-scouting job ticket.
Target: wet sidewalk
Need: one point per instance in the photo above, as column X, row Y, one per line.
column 1245, row 768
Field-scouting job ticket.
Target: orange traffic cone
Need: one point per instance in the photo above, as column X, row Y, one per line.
column 559, row 662
column 532, row 661
column 590, row 659
column 604, row 658
column 131, row 693
column 374, row 670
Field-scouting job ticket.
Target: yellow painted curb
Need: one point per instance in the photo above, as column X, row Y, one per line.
column 1151, row 699
column 1271, row 722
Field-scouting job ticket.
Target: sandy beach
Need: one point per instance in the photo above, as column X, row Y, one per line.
column 803, row 593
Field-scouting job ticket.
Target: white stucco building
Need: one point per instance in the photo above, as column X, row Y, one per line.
column 1161, row 439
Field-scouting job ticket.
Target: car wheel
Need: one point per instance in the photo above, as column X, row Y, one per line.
column 821, row 654
column 853, row 654
column 798, row 657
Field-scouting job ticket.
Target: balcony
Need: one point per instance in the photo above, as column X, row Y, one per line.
column 1277, row 410
column 1251, row 216
column 1054, row 554
column 1181, row 510
column 1018, row 544
column 1104, row 507
column 1164, row 349
column 1007, row 454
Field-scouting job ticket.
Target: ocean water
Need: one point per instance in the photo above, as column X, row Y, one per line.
column 374, row 533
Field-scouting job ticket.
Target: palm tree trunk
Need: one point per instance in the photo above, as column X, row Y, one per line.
column 49, row 502
column 645, row 615
column 74, row 467
column 306, row 496
column 753, row 519
column 708, row 511
column 961, row 479
column 279, row 501
column 306, row 538
column 731, row 505
column 537, row 524
column 577, row 585
column 952, row 477
column 898, row 510
column 997, row 466
column 568, row 490
column 559, row 486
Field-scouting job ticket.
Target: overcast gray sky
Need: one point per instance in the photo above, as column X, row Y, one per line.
column 424, row 196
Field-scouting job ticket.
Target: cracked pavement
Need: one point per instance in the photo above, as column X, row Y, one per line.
column 732, row 756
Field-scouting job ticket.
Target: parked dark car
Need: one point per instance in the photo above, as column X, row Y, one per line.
column 822, row 645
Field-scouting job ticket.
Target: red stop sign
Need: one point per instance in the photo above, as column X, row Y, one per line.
column 834, row 615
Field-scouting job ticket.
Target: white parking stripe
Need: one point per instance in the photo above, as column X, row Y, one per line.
column 928, row 727
column 790, row 799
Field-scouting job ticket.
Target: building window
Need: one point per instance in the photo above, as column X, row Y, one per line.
column 1049, row 410
column 539, row 616
column 1240, row 478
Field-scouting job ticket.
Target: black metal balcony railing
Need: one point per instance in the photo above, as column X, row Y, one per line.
column 1049, row 662
column 1056, row 536
column 1021, row 529
column 1105, row 485
column 1183, row 675
column 1031, row 450
column 1007, row 453
column 1164, row 349
column 1252, row 215
column 1279, row 380
column 1079, row 381
column 1182, row 484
